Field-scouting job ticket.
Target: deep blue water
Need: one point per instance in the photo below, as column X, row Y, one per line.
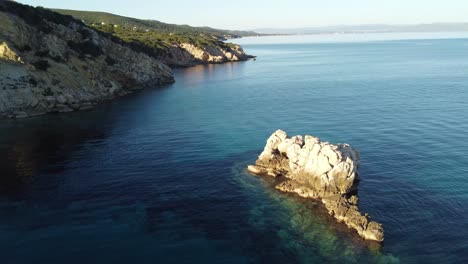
column 158, row 176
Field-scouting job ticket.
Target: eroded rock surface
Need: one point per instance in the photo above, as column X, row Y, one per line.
column 186, row 54
column 7, row 54
column 320, row 170
column 54, row 63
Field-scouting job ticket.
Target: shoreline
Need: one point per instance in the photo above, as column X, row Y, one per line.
column 55, row 63
column 88, row 105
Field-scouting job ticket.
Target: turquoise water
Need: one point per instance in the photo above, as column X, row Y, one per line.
column 158, row 177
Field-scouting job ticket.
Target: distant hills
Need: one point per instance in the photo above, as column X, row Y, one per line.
column 376, row 28
column 98, row 18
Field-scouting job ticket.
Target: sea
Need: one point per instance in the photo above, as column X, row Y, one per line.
column 160, row 176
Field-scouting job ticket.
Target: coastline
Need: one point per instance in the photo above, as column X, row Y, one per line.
column 60, row 65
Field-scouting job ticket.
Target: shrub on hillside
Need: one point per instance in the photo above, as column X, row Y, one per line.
column 41, row 65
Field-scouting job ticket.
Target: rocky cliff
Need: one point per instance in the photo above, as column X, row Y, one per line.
column 175, row 45
column 319, row 170
column 53, row 63
column 186, row 54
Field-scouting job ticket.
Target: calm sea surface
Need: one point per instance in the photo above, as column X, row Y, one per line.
column 158, row 176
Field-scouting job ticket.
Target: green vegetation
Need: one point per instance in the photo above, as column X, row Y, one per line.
column 157, row 40
column 154, row 37
column 36, row 17
column 97, row 18
column 41, row 65
column 149, row 36
column 86, row 48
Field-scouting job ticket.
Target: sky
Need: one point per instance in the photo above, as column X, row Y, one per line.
column 254, row 14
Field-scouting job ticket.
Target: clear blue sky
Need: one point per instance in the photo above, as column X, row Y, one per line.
column 250, row 14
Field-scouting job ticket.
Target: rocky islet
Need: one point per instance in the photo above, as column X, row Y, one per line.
column 319, row 170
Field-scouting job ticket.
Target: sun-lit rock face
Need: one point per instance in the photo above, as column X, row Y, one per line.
column 52, row 63
column 7, row 54
column 187, row 54
column 316, row 169
column 330, row 169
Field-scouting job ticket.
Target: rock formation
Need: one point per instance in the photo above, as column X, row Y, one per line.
column 176, row 46
column 320, row 170
column 211, row 54
column 54, row 63
column 7, row 54
column 186, row 54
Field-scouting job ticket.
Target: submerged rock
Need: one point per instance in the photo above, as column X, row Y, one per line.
column 320, row 170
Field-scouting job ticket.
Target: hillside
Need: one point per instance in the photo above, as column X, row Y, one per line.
column 99, row 17
column 54, row 63
column 51, row 62
column 175, row 45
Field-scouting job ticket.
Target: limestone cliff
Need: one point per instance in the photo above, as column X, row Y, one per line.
column 175, row 45
column 186, row 54
column 54, row 63
column 320, row 170
column 50, row 62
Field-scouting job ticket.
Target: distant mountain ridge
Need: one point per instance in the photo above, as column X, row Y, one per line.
column 371, row 28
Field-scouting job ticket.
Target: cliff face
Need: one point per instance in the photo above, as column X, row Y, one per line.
column 319, row 170
column 52, row 63
column 186, row 54
column 176, row 45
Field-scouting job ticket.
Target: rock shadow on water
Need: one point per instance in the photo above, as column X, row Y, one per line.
column 30, row 146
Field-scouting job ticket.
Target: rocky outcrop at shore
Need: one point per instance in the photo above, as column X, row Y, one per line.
column 186, row 54
column 53, row 63
column 319, row 170
column 175, row 45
